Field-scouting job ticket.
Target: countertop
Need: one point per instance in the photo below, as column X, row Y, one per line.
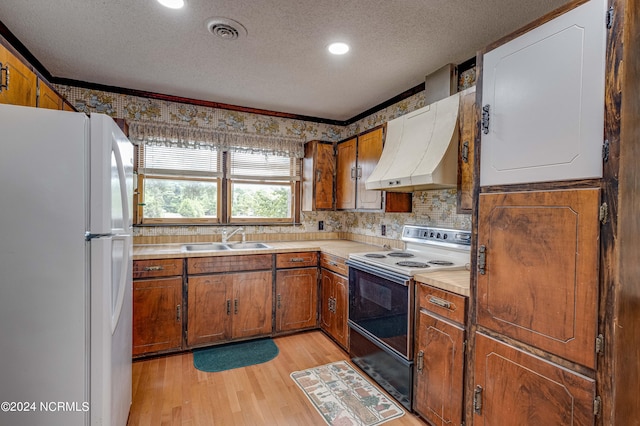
column 458, row 282
column 340, row 248
column 454, row 281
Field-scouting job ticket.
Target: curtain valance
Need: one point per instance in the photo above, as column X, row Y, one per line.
column 163, row 134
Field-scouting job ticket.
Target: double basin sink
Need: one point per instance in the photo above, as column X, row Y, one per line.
column 223, row 246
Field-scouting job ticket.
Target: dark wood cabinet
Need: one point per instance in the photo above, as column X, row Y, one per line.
column 356, row 158
column 467, row 123
column 158, row 308
column 228, row 297
column 439, row 356
column 222, row 307
column 334, row 300
column 296, row 299
column 318, row 176
column 514, row 387
column 538, row 269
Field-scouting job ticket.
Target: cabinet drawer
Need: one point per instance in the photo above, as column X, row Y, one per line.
column 443, row 303
column 334, row 263
column 297, row 260
column 204, row 265
column 157, row 268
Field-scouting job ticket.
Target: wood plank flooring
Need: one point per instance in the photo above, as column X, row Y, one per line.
column 170, row 391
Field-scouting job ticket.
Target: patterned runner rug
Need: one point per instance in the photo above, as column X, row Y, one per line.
column 344, row 397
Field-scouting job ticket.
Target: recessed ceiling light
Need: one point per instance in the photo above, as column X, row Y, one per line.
column 338, row 48
column 172, row 4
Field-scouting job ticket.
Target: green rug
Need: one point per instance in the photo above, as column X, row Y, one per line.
column 234, row 355
column 343, row 396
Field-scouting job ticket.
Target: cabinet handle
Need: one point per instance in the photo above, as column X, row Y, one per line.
column 318, row 175
column 332, row 263
column 465, row 151
column 279, row 300
column 482, row 259
column 477, row 399
column 235, row 306
column 440, row 302
column 154, row 268
column 178, row 314
column 6, row 81
column 228, row 306
column 353, row 173
column 359, row 172
column 297, row 259
column 420, row 361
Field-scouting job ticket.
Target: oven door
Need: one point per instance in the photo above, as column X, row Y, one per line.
column 381, row 306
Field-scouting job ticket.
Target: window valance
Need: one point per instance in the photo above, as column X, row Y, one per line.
column 173, row 135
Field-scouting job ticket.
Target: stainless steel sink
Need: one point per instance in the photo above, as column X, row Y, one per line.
column 204, row 247
column 244, row 246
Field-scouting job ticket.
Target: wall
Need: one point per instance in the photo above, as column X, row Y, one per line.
column 436, row 208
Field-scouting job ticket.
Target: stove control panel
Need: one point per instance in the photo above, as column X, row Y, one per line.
column 436, row 236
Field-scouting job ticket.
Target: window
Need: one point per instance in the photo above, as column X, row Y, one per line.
column 178, row 185
column 261, row 187
column 185, row 185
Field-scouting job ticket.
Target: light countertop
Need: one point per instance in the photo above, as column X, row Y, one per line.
column 458, row 282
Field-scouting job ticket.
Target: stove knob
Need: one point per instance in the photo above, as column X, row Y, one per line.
column 444, row 237
column 438, row 236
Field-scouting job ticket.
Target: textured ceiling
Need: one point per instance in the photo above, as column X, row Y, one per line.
column 281, row 64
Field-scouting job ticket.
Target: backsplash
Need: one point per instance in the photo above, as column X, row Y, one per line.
column 437, row 207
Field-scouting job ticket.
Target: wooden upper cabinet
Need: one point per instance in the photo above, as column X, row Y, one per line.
column 318, row 176
column 467, row 126
column 513, row 387
column 369, row 152
column 22, row 82
column 47, row 97
column 346, row 174
column 543, row 96
column 537, row 280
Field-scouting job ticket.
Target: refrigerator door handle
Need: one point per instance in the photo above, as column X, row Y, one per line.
column 122, row 280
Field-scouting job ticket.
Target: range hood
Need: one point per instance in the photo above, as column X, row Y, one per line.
column 421, row 150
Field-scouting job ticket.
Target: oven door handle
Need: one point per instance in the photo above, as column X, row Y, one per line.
column 380, row 272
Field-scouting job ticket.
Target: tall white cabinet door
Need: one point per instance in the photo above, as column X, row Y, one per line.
column 544, row 92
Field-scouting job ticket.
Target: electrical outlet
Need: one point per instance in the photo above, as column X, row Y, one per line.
column 383, row 230
column 321, row 225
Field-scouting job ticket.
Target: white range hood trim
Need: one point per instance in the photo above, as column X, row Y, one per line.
column 421, row 150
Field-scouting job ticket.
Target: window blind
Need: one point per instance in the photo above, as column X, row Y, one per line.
column 263, row 167
column 161, row 160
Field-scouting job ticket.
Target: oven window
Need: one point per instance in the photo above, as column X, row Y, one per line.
column 380, row 307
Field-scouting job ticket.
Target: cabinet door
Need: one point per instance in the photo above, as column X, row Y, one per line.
column 516, row 388
column 544, row 92
column 252, row 304
column 47, row 97
column 540, row 281
column 318, row 175
column 439, row 370
column 369, row 152
column 209, row 309
column 21, row 81
column 327, row 318
column 341, row 310
column 157, row 315
column 346, row 174
column 296, row 299
column 467, row 125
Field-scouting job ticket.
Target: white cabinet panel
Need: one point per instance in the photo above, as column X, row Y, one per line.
column 545, row 94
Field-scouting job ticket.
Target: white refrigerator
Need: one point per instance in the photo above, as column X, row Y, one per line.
column 66, row 183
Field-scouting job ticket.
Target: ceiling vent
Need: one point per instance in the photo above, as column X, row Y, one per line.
column 226, row 28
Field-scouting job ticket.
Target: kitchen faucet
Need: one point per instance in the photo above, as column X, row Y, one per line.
column 225, row 236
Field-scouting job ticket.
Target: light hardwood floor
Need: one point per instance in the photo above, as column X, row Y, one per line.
column 170, row 391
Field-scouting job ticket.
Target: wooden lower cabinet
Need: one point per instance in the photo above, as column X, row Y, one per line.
column 513, row 387
column 157, row 315
column 229, row 306
column 334, row 306
column 296, row 299
column 439, row 358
